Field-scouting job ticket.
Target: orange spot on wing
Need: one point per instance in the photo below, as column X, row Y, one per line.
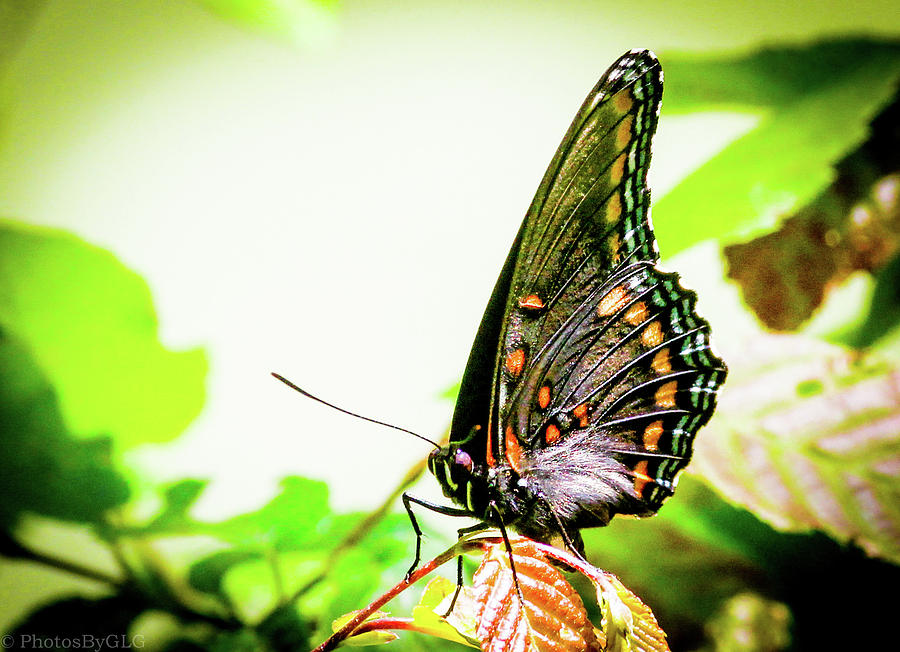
column 614, row 245
column 580, row 413
column 489, row 454
column 640, row 477
column 552, row 434
column 531, row 302
column 614, row 208
column 636, row 313
column 623, row 132
column 515, row 362
column 665, row 395
column 544, row 397
column 612, row 301
column 652, row 335
column 652, row 433
column 513, row 451
column 617, row 169
column 623, row 102
column 662, row 362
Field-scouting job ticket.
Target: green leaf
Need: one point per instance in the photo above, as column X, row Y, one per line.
column 628, row 624
column 290, row 521
column 816, row 103
column 353, row 580
column 90, row 324
column 285, row 628
column 207, row 574
column 884, row 311
column 772, row 76
column 827, row 459
column 375, row 637
column 853, row 225
column 389, row 540
column 290, row 544
column 47, row 471
column 179, row 498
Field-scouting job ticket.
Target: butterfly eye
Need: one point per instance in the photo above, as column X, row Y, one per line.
column 463, row 459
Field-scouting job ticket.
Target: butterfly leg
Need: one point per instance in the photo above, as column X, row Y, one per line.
column 508, row 545
column 574, row 544
column 408, row 501
column 459, row 561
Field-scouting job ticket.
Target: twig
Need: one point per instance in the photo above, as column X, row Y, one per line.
column 335, row 639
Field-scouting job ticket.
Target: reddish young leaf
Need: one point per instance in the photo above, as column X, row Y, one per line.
column 549, row 615
column 531, row 609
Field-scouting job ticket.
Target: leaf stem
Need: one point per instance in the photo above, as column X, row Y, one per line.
column 351, row 626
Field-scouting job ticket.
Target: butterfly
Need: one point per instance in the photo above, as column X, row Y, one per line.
column 591, row 372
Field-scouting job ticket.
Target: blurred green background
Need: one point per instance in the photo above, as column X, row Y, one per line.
column 196, row 193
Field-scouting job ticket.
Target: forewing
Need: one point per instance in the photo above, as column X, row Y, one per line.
column 589, row 215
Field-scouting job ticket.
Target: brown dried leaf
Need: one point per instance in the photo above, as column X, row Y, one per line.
column 853, row 225
column 785, row 275
column 553, row 617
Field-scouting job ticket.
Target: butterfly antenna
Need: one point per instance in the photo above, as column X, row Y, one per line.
column 352, row 414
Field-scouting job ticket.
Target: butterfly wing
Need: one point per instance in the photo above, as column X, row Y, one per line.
column 591, row 373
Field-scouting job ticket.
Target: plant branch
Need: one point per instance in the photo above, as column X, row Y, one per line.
column 351, row 626
column 382, row 624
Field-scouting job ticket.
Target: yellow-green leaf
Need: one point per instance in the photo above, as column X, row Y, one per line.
column 459, row 626
column 628, row 624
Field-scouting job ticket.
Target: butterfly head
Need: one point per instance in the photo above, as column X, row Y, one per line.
column 462, row 479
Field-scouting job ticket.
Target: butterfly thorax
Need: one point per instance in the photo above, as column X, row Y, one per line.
column 496, row 495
